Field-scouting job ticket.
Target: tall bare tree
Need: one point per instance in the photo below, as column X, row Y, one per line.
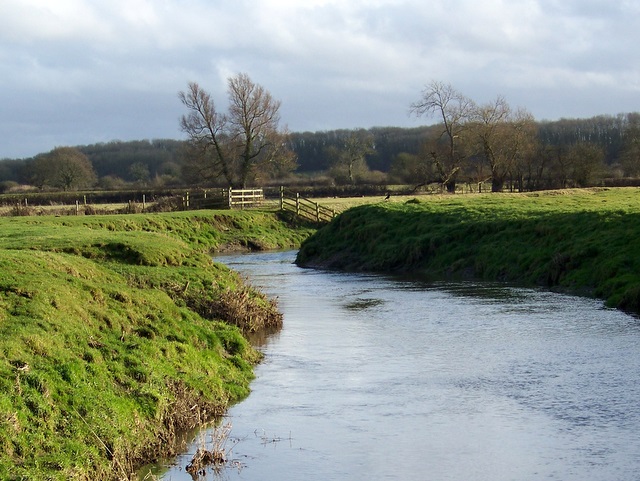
column 448, row 151
column 240, row 145
column 504, row 138
column 206, row 128
column 525, row 145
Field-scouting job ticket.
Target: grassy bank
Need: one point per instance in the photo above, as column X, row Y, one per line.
column 584, row 241
column 115, row 333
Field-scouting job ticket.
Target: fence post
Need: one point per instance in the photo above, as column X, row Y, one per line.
column 187, row 200
column 230, row 197
column 144, row 202
column 317, row 212
column 281, row 197
column 77, row 207
column 297, row 203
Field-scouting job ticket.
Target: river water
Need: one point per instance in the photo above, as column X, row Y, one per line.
column 375, row 378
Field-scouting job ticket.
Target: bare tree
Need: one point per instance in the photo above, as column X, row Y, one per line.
column 490, row 130
column 504, row 138
column 525, row 145
column 240, row 145
column 448, row 151
column 207, row 137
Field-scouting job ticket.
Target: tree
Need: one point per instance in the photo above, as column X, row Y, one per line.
column 242, row 144
column 505, row 139
column 531, row 168
column 490, row 130
column 64, row 168
column 630, row 156
column 139, row 172
column 587, row 162
column 448, row 148
column 115, row 158
column 349, row 157
column 558, row 167
column 407, row 168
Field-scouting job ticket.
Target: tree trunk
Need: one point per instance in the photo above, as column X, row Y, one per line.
column 450, row 185
column 497, row 184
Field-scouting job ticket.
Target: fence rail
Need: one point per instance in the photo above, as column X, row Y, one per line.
column 305, row 208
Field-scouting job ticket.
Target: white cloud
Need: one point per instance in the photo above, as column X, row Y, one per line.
column 26, row 22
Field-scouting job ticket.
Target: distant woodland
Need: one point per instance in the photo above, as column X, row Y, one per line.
column 603, row 150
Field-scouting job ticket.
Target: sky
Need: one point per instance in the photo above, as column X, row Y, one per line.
column 78, row 72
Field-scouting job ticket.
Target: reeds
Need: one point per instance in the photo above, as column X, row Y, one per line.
column 218, row 455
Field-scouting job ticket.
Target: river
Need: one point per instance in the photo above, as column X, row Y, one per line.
column 376, row 378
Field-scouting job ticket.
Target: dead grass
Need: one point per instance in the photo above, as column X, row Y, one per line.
column 242, row 306
column 217, row 455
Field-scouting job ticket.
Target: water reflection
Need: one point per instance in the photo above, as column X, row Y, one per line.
column 376, row 378
column 360, row 303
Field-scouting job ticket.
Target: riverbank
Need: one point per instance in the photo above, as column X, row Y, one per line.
column 116, row 332
column 581, row 241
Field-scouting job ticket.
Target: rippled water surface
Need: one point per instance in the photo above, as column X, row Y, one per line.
column 374, row 378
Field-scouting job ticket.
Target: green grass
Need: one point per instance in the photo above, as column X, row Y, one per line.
column 115, row 333
column 583, row 241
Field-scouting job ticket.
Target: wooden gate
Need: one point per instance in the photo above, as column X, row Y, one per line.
column 305, row 208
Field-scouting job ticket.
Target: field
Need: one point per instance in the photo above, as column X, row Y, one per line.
column 582, row 241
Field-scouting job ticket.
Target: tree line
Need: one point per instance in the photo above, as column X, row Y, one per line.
column 467, row 142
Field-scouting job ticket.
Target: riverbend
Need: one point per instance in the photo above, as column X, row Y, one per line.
column 379, row 378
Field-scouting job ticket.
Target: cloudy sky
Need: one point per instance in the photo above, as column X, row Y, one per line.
column 76, row 72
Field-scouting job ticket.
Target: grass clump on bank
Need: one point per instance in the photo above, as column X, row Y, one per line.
column 584, row 241
column 116, row 333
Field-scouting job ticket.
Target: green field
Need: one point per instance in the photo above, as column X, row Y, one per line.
column 115, row 333
column 581, row 241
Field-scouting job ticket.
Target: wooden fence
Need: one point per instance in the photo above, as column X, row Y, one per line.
column 241, row 198
column 223, row 199
column 305, row 208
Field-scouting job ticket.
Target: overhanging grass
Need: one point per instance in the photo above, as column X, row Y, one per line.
column 111, row 335
column 586, row 241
